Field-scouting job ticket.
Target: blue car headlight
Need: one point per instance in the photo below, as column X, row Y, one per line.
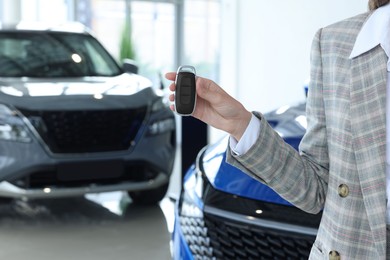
column 192, row 204
column 192, row 192
column 12, row 127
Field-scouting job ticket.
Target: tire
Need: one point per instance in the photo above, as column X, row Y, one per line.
column 149, row 197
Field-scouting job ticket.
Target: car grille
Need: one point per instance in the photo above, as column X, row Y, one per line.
column 215, row 237
column 87, row 131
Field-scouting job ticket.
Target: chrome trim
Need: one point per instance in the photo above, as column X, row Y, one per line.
column 9, row 190
column 33, row 131
column 198, row 162
column 261, row 222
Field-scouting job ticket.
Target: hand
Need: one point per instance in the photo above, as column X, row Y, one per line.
column 215, row 107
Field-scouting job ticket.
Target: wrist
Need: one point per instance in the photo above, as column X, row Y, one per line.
column 241, row 124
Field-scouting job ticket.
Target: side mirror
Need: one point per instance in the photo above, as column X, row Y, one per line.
column 130, row 66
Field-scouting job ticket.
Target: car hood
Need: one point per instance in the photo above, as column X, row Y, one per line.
column 225, row 177
column 123, row 91
column 288, row 121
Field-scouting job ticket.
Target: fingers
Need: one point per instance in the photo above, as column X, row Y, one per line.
column 172, row 97
column 172, row 87
column 215, row 106
column 206, row 89
column 170, row 76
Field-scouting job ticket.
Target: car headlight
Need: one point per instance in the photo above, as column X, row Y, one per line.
column 161, row 126
column 12, row 127
column 192, row 203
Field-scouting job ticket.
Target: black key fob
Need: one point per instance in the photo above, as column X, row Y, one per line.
column 185, row 94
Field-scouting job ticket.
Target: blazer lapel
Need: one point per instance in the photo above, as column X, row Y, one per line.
column 368, row 122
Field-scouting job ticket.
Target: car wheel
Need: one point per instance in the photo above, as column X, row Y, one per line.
column 149, row 197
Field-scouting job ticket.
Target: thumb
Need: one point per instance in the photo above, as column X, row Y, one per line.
column 209, row 91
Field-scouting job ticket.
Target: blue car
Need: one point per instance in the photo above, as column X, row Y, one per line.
column 222, row 213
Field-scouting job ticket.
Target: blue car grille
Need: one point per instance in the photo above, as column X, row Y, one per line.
column 214, row 237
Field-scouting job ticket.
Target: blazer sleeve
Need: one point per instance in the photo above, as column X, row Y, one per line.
column 299, row 177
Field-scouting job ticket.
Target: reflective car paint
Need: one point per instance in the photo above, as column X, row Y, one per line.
column 232, row 180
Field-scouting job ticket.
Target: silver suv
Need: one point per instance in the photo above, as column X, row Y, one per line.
column 72, row 121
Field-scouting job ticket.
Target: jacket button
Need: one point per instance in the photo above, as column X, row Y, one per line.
column 334, row 255
column 343, row 190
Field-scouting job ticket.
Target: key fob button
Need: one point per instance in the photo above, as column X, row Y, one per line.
column 185, row 100
column 186, row 91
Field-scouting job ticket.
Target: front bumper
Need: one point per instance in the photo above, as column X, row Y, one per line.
column 12, row 191
column 28, row 170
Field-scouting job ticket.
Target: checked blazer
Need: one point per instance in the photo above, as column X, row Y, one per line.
column 340, row 167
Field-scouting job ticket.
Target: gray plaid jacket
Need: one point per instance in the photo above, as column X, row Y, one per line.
column 340, row 168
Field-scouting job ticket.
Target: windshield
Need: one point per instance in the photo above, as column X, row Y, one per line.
column 53, row 54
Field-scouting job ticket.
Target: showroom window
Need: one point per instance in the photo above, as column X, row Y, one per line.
column 165, row 33
column 48, row 11
column 202, row 36
column 159, row 42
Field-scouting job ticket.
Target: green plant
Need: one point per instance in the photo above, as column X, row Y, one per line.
column 126, row 48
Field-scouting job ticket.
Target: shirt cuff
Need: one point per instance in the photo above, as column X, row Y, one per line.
column 248, row 139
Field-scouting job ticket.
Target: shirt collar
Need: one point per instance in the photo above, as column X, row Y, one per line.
column 375, row 31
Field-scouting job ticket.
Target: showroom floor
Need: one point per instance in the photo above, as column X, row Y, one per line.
column 97, row 226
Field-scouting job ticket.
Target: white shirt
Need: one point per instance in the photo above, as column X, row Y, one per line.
column 376, row 31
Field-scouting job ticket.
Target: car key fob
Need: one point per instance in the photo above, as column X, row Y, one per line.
column 185, row 94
